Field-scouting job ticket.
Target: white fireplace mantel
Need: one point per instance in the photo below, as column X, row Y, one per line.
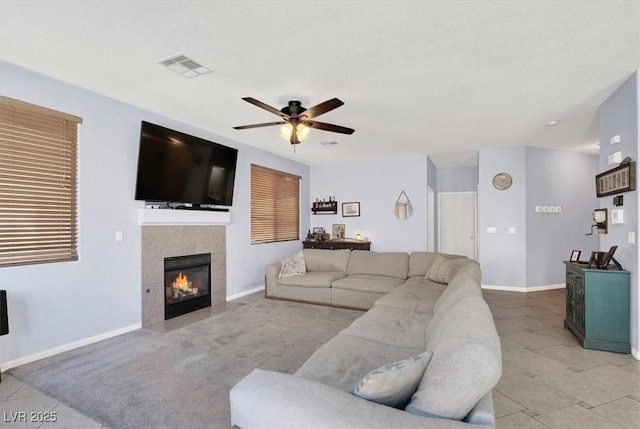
column 182, row 217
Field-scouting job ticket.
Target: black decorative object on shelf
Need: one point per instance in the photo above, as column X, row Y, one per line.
column 325, row 206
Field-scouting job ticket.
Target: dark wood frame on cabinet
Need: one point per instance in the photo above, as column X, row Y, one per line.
column 575, row 256
column 617, row 180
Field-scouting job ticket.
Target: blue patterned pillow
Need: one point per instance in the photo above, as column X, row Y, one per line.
column 395, row 383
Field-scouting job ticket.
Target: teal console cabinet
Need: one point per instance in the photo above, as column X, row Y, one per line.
column 597, row 310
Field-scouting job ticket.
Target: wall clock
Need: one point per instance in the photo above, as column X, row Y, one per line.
column 502, row 181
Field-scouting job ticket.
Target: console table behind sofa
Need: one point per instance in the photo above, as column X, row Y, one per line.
column 337, row 244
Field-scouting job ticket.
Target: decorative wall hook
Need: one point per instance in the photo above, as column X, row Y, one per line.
column 406, row 198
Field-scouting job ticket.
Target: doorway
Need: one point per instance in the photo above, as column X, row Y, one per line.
column 457, row 223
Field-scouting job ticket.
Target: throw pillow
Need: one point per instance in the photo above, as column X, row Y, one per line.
column 293, row 266
column 443, row 269
column 393, row 384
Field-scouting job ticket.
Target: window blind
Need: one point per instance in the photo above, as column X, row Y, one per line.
column 38, row 184
column 275, row 205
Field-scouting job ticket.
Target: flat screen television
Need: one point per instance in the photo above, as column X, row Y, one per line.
column 175, row 167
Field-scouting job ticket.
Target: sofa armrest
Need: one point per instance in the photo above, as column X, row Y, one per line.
column 271, row 273
column 268, row 399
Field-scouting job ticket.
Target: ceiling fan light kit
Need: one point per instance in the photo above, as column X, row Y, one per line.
column 297, row 120
column 301, row 131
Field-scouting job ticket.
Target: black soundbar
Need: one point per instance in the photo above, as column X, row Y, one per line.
column 211, row 209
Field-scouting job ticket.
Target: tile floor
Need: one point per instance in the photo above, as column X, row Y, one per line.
column 549, row 380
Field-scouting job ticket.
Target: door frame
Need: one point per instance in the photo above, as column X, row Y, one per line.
column 431, row 219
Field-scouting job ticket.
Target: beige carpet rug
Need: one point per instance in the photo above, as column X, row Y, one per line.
column 181, row 379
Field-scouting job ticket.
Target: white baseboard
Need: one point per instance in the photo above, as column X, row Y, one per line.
column 524, row 289
column 66, row 347
column 635, row 353
column 244, row 293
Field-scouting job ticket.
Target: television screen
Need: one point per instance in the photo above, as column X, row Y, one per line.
column 179, row 168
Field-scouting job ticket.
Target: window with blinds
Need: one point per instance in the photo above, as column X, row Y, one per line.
column 275, row 205
column 38, row 184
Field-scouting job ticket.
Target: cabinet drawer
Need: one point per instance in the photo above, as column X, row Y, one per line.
column 575, row 278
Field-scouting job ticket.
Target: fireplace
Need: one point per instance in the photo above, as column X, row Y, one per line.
column 187, row 284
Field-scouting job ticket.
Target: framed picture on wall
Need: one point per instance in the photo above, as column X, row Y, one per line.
column 339, row 231
column 617, row 180
column 350, row 209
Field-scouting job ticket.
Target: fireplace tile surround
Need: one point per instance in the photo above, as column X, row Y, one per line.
column 159, row 242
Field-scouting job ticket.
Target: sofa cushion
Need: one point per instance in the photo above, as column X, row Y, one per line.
column 390, row 264
column 466, row 362
column 416, row 294
column 461, row 286
column 394, row 383
column 313, row 279
column 419, row 262
column 443, row 269
column 293, row 266
column 326, row 260
column 368, row 283
column 343, row 360
column 392, row 326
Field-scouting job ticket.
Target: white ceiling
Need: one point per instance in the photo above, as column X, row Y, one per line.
column 442, row 78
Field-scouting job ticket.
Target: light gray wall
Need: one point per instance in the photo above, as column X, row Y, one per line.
column 566, row 179
column 502, row 255
column 376, row 185
column 51, row 305
column 533, row 255
column 458, row 179
column 620, row 115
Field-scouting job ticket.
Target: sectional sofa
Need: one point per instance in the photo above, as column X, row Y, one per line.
column 426, row 354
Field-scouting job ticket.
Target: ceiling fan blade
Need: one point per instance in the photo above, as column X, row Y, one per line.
column 265, row 106
column 321, row 108
column 265, row 124
column 329, row 127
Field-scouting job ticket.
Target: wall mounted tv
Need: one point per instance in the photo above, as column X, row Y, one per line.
column 174, row 167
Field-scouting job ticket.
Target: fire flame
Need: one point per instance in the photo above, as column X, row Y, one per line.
column 182, row 282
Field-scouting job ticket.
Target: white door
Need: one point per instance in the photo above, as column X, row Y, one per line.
column 457, row 230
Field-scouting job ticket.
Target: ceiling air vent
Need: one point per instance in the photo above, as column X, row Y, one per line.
column 331, row 143
column 184, row 66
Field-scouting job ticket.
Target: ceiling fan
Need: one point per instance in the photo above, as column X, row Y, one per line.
column 297, row 120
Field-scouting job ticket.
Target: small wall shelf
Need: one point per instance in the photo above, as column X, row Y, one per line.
column 325, row 208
